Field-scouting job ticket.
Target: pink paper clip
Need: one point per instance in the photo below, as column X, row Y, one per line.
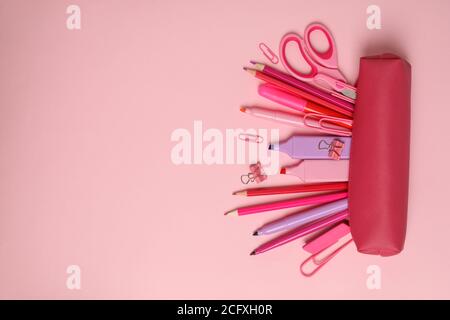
column 256, row 174
column 334, row 148
column 268, row 53
column 327, row 124
column 322, row 243
column 247, row 137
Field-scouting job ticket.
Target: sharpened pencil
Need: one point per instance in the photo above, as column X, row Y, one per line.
column 296, row 188
column 290, row 203
column 296, row 91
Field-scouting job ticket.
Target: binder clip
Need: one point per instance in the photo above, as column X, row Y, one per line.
column 256, row 174
column 335, row 148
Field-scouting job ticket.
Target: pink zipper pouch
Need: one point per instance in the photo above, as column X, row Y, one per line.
column 379, row 165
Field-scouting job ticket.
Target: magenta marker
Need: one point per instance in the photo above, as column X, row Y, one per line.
column 315, row 147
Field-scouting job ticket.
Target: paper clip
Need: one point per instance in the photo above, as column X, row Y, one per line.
column 319, row 263
column 327, row 124
column 323, row 242
column 247, row 137
column 268, row 53
column 334, row 148
column 256, row 174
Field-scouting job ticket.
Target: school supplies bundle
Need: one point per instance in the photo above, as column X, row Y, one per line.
column 357, row 166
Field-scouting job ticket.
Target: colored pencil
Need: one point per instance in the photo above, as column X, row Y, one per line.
column 289, row 88
column 277, row 74
column 283, row 204
column 300, row 232
column 296, row 188
column 287, row 99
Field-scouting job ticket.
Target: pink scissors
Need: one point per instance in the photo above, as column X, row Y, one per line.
column 324, row 72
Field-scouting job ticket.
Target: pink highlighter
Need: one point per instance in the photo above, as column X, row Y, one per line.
column 310, row 171
column 276, row 95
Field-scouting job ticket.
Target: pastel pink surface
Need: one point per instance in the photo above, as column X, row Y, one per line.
column 86, row 174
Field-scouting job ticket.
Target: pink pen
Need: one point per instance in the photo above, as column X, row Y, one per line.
column 284, row 98
column 319, row 170
column 275, row 115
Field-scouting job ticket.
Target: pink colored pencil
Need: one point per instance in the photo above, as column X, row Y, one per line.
column 283, row 204
column 300, row 232
column 302, row 85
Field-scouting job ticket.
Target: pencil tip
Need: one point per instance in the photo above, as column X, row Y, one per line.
column 252, row 253
column 259, row 66
column 239, row 193
column 255, row 233
column 270, row 146
column 251, row 71
column 230, row 212
column 242, row 109
column 283, row 171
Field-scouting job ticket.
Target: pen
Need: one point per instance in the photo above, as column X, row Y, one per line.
column 284, row 98
column 300, row 232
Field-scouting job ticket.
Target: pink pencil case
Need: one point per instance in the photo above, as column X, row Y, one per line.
column 379, row 157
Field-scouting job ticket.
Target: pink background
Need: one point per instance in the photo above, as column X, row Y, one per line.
column 86, row 175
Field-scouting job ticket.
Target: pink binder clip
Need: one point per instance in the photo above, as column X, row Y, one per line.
column 256, row 174
column 268, row 53
column 323, row 243
column 334, row 148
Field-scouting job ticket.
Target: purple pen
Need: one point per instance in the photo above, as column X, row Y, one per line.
column 315, row 147
column 303, row 217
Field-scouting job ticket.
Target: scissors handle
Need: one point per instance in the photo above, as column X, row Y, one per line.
column 292, row 37
column 328, row 58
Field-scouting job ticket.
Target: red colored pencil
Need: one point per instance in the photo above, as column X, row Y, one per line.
column 300, row 232
column 284, row 86
column 296, row 188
